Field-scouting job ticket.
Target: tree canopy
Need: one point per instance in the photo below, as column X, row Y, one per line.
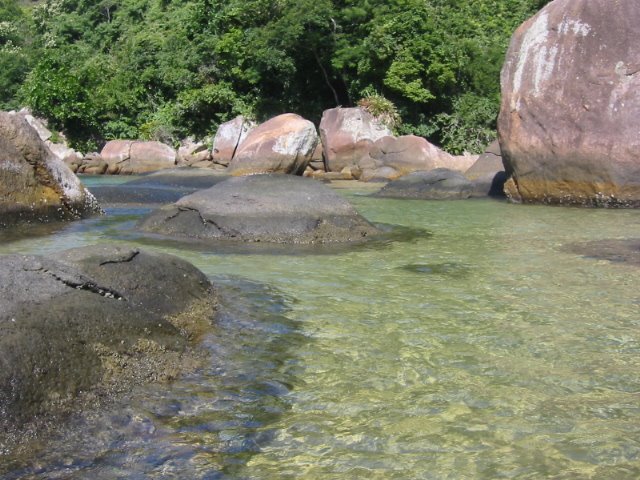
column 166, row 69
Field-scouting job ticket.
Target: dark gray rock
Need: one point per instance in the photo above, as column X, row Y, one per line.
column 488, row 164
column 91, row 323
column 487, row 173
column 438, row 184
column 162, row 187
column 262, row 208
column 625, row 251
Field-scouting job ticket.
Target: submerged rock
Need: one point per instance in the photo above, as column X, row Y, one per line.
column 35, row 185
column 570, row 112
column 624, row 251
column 262, row 208
column 89, row 323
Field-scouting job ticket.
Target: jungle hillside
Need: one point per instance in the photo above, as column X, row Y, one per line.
column 167, row 69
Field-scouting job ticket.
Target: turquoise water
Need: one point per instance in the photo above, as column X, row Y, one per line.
column 484, row 349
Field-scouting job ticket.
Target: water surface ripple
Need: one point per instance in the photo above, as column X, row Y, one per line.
column 488, row 349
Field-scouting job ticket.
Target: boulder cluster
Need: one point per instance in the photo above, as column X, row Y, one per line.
column 93, row 321
column 351, row 145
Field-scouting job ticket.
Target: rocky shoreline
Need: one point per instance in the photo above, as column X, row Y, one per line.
column 89, row 324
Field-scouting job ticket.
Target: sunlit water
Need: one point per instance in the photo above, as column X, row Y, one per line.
column 483, row 350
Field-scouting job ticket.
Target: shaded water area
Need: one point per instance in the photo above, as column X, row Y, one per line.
column 490, row 348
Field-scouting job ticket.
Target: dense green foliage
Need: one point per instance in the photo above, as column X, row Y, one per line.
column 165, row 69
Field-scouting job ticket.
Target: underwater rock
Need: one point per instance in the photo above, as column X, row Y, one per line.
column 161, row 187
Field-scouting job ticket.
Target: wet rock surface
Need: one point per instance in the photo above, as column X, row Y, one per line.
column 262, row 208
column 89, row 324
column 437, row 184
column 35, row 185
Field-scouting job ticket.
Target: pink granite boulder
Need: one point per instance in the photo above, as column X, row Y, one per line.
column 283, row 144
column 570, row 112
column 347, row 135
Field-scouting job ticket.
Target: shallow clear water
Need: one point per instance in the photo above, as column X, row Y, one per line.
column 484, row 350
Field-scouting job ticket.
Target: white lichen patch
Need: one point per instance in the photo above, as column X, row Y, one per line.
column 71, row 186
column 625, row 86
column 301, row 142
column 539, row 53
column 228, row 132
column 11, row 166
column 534, row 54
column 575, row 27
column 361, row 126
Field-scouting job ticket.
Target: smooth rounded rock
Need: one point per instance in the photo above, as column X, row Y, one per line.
column 570, row 112
column 262, row 208
column 283, row 144
column 128, row 157
column 229, row 137
column 347, row 135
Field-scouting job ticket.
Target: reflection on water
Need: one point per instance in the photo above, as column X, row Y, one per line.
column 487, row 349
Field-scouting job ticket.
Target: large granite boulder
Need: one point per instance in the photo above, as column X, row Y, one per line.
column 38, row 124
column 347, row 135
column 411, row 153
column 437, row 184
column 35, row 185
column 91, row 164
column 262, row 208
column 128, row 157
column 570, row 113
column 228, row 137
column 83, row 324
column 283, row 144
column 59, row 147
